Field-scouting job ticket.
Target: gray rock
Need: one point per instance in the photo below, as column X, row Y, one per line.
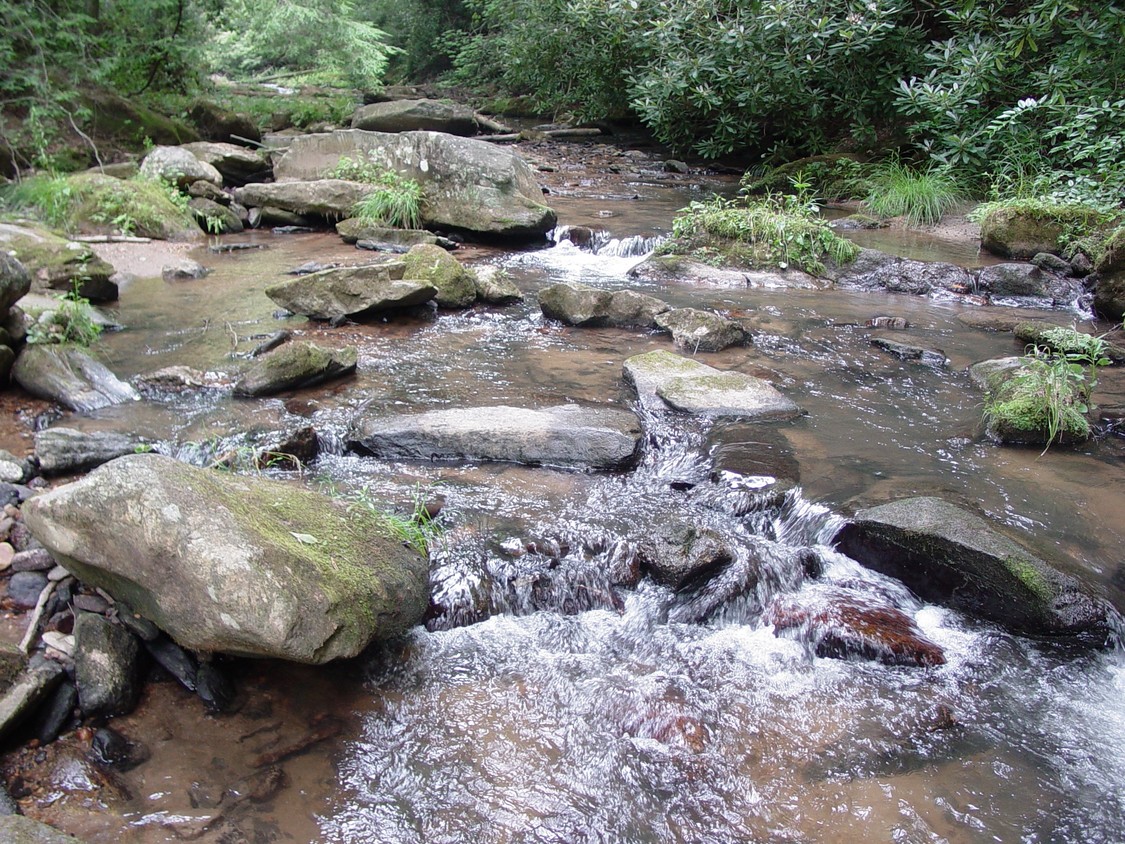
column 1109, row 293
column 953, row 557
column 237, row 165
column 33, row 559
column 56, row 712
column 665, row 379
column 495, row 286
column 64, row 451
column 630, row 309
column 354, row 229
column 15, row 281
column 24, row 588
column 673, row 165
column 990, row 374
column 1052, row 263
column 178, row 166
column 105, row 666
column 7, row 360
column 234, row 564
column 907, row 351
column 660, row 269
column 575, row 304
column 37, row 306
column 57, row 264
column 702, row 331
column 70, row 376
column 469, row 185
column 568, row 436
column 1012, row 280
column 16, row 829
column 25, row 693
column 334, row 199
column 350, row 291
column 206, row 190
column 214, row 218
column 13, row 470
column 1019, row 233
column 874, row 270
column 269, row 215
column 680, row 554
column 456, row 287
column 415, row 115
column 184, row 269
column 293, row 365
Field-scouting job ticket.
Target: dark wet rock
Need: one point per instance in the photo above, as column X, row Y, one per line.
column 662, row 378
column 221, row 125
column 271, row 215
column 184, row 269
column 706, row 596
column 175, row 660
column 70, row 376
column 91, row 604
column 214, row 218
column 1012, row 280
column 15, row 281
column 213, row 687
column 33, row 559
column 24, row 588
column 355, row 229
column 906, row 351
column 141, row 627
column 470, row 185
column 672, row 165
column 751, row 451
column 293, row 450
column 1052, row 264
column 874, row 270
column 455, row 285
column 416, row 115
column 294, row 365
column 840, row 624
column 680, row 269
column 238, row 165
column 206, row 190
column 495, row 286
column 270, row 342
column 310, row 267
column 679, row 553
column 988, row 375
column 1109, row 294
column 112, row 750
column 953, row 557
column 56, row 713
column 7, row 360
column 694, row 330
column 178, row 166
column 568, row 436
column 330, row 198
column 16, row 829
column 13, row 470
column 575, row 304
column 55, row 264
column 1022, row 233
column 375, row 246
column 200, row 554
column 12, row 665
column 858, row 222
column 105, row 666
column 630, row 309
column 351, row 291
column 26, row 693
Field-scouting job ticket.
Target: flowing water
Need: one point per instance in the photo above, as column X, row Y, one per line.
column 545, row 704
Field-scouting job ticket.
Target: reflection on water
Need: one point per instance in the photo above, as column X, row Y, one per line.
column 633, row 714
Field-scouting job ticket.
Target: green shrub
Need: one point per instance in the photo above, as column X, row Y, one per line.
column 922, row 196
column 780, row 230
column 396, row 201
column 71, row 322
column 50, row 198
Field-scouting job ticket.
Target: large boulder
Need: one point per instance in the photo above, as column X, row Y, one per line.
column 350, row 291
column 470, row 185
column 568, row 435
column 579, row 304
column 15, row 282
column 144, row 204
column 1109, row 295
column 415, row 115
column 665, row 379
column 695, row 330
column 234, row 564
column 57, row 264
column 1021, row 231
column 332, row 199
column 953, row 557
column 295, row 364
column 236, row 164
column 61, row 450
column 1012, row 280
column 178, row 166
column 115, row 118
column 874, row 270
column 69, row 376
column 430, row 263
column 216, row 123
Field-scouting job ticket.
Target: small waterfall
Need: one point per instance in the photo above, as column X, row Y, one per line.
column 600, row 242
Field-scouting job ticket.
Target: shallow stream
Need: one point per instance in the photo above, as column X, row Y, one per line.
column 578, row 712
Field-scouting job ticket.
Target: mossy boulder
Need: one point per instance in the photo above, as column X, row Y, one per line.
column 141, row 206
column 1021, row 231
column 355, row 229
column 234, row 564
column 296, row 364
column 696, row 330
column 56, row 264
column 1109, row 295
column 956, row 558
column 351, row 291
column 221, row 125
column 430, row 263
column 114, row 118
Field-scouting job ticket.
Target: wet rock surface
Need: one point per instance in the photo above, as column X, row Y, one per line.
column 295, row 364
column 351, row 291
column 694, row 330
column 70, row 376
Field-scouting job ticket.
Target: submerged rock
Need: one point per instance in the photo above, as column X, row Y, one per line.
column 430, row 263
column 70, row 376
column 906, row 351
column 233, row 564
column 702, row 331
column 351, row 291
column 293, row 365
column 679, row 554
column 568, row 435
column 953, row 557
column 665, row 379
column 495, row 286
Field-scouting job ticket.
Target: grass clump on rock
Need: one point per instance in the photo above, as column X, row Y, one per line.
column 395, row 202
column 921, row 196
column 777, row 231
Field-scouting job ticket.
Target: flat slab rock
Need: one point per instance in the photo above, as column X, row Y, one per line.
column 351, row 291
column 956, row 558
column 568, row 436
column 665, row 379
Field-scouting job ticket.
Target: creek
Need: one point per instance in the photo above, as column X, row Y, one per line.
column 576, row 712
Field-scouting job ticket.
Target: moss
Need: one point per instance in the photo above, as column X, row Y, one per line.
column 140, row 206
column 1030, row 576
column 432, row 264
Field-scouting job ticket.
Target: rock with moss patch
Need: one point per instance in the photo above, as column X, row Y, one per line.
column 64, row 450
column 214, row 218
column 238, row 165
column 178, row 166
column 989, row 375
column 1022, row 231
column 1109, row 294
column 355, row 229
column 234, row 564
column 575, row 304
column 696, row 330
column 351, row 291
column 295, row 364
column 142, row 206
column 333, row 199
column 57, row 264
column 495, row 286
column 956, row 558
column 69, row 376
column 430, row 263
column 222, row 126
column 662, row 379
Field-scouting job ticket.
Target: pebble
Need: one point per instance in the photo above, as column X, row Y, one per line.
column 57, row 574
column 24, row 588
column 7, row 552
column 33, row 559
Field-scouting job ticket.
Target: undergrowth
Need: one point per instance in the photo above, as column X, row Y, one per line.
column 72, row 322
column 418, row 529
column 922, row 196
column 396, row 200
